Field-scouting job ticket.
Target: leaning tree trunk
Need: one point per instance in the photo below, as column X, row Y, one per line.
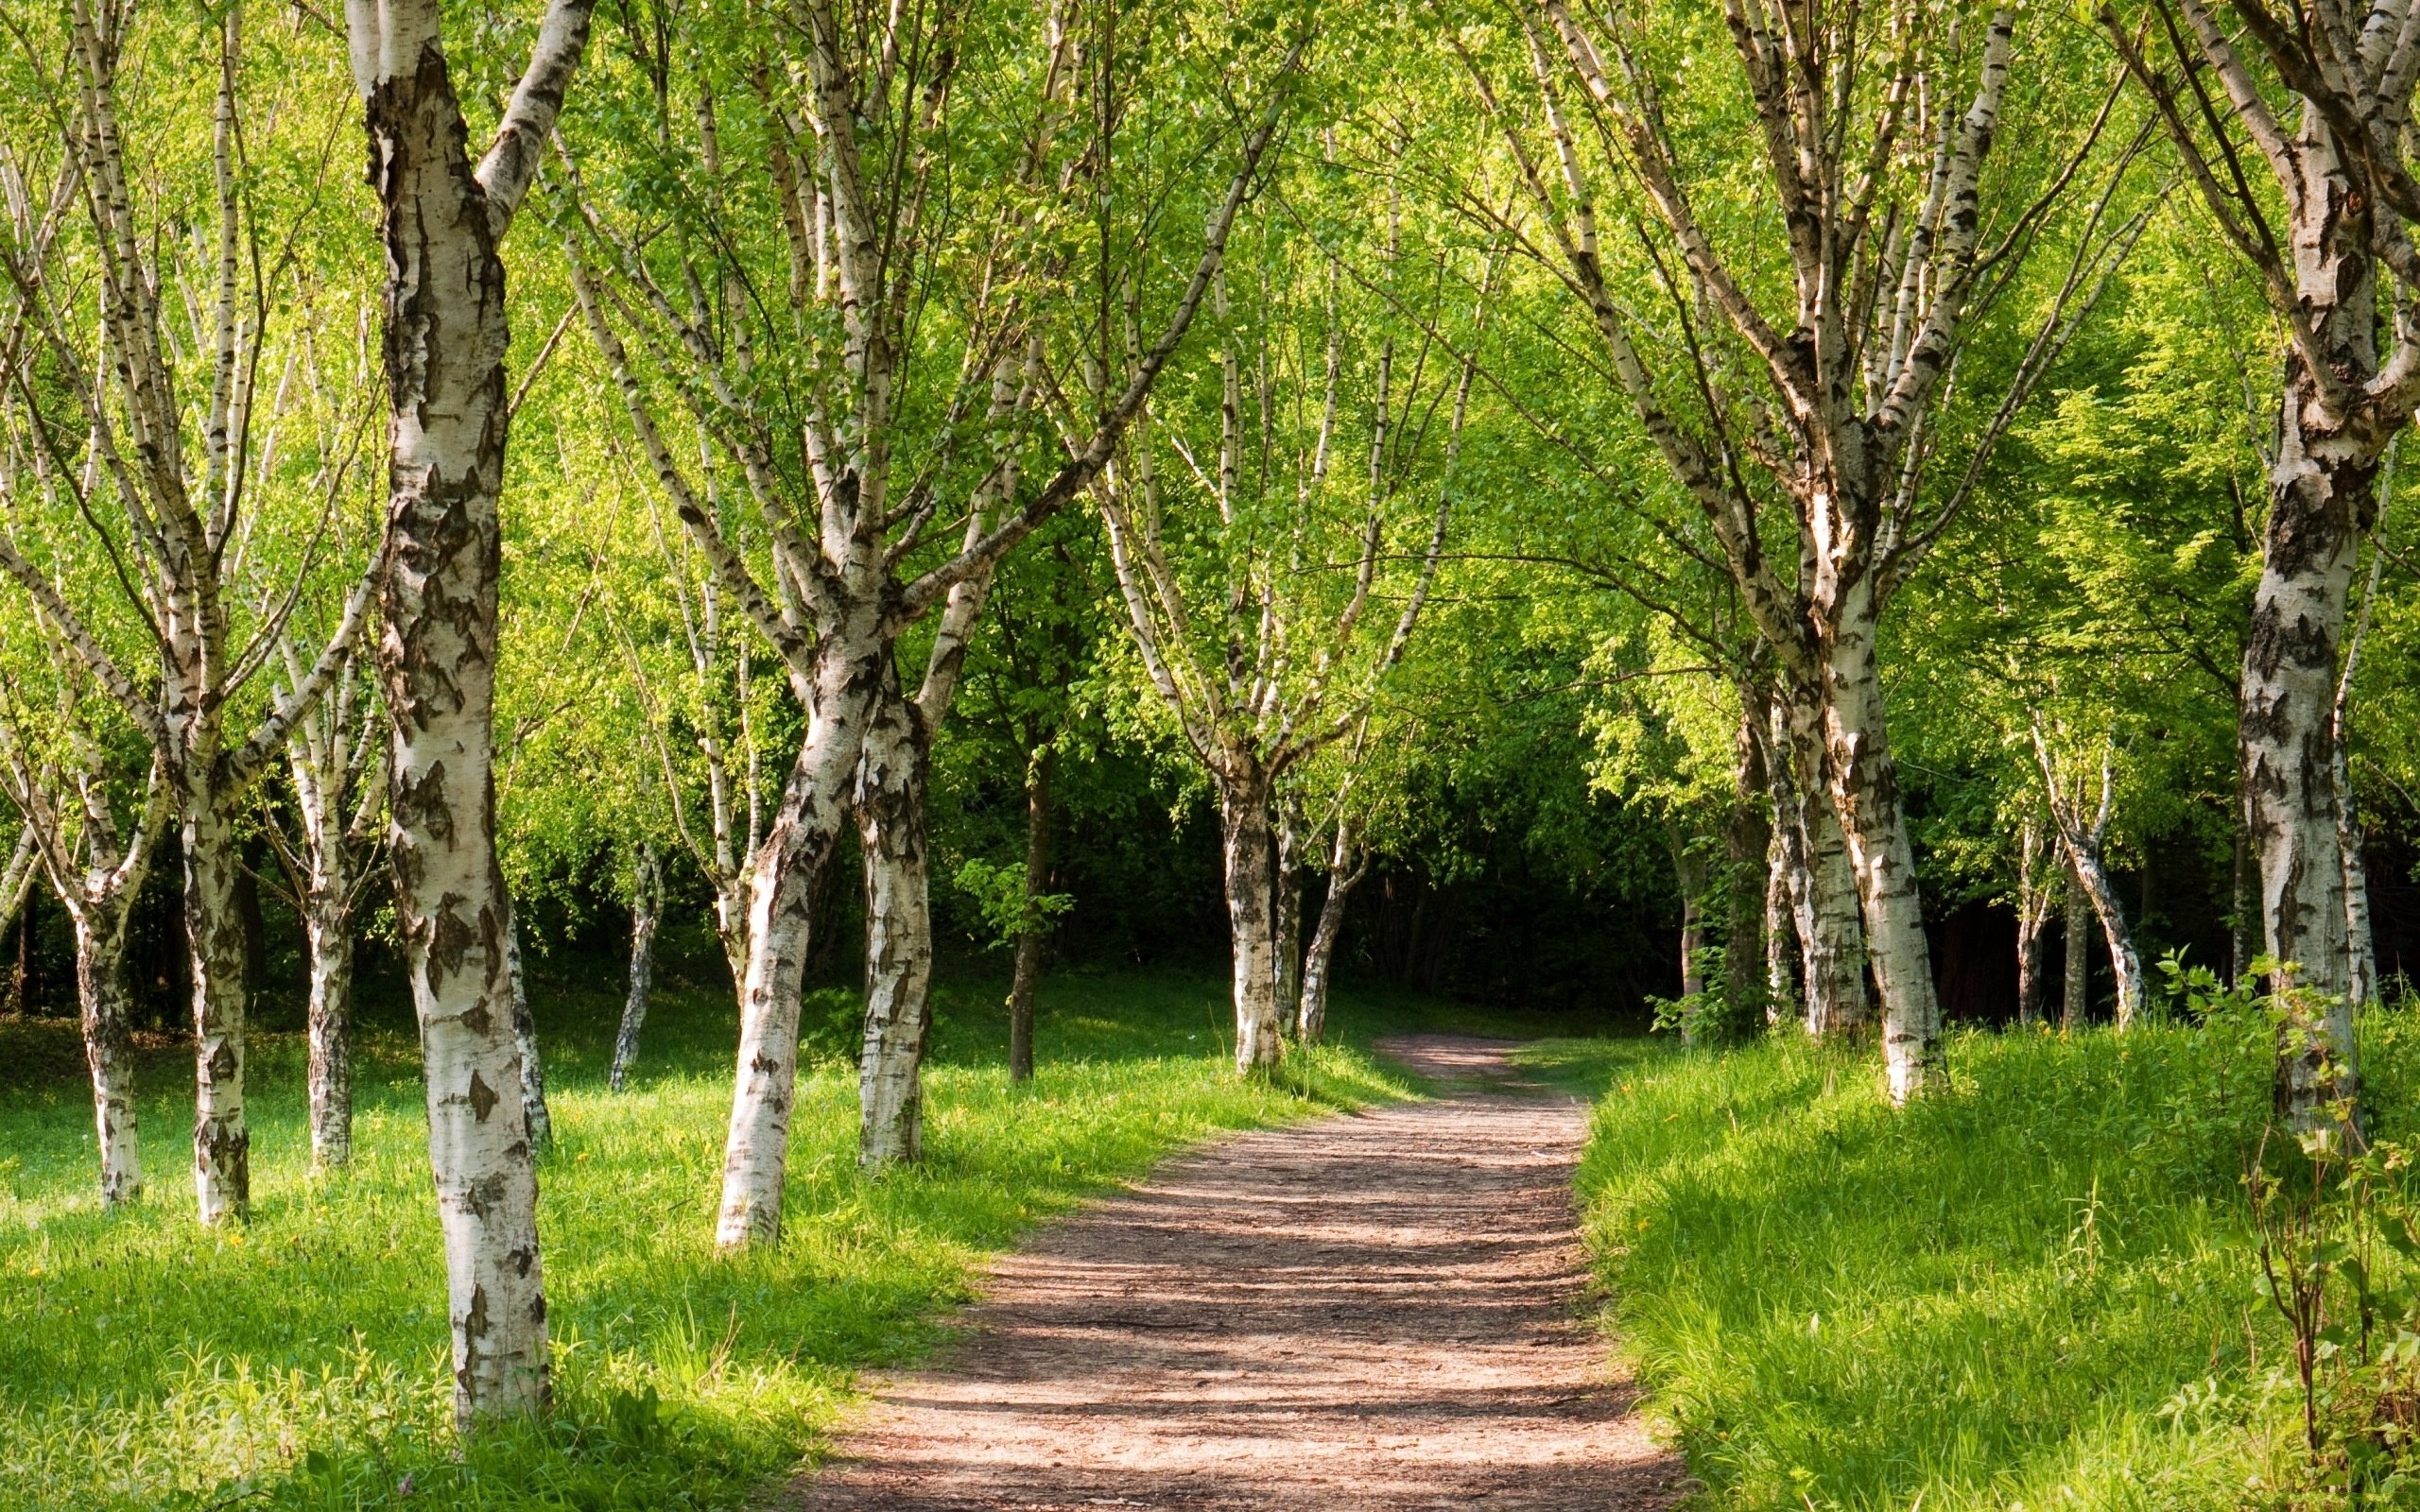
column 899, row 935
column 1243, row 822
column 445, row 341
column 101, row 991
column 790, row 864
column 646, row 908
column 2124, row 964
column 1026, row 977
column 222, row 1141
column 1345, row 870
column 1865, row 789
column 327, row 927
column 1286, row 929
column 524, row 1040
column 2077, row 1002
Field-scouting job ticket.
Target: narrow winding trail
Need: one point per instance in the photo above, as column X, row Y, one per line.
column 1373, row 1313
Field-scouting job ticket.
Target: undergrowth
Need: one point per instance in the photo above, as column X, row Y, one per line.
column 301, row 1362
column 2039, row 1289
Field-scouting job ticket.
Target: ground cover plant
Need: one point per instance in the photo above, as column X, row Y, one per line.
column 147, row 1362
column 2041, row 1289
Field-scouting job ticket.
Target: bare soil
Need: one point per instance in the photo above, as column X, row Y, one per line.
column 1373, row 1313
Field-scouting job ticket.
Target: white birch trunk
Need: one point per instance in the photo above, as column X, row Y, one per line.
column 2034, row 896
column 1243, row 811
column 899, row 937
column 221, row 1139
column 1822, row 886
column 524, row 1040
column 1026, row 977
column 446, row 336
column 101, row 992
column 647, row 910
column 1346, row 866
column 2125, row 964
column 328, row 938
column 1781, row 930
column 797, row 847
column 1286, row 931
column 1865, row 790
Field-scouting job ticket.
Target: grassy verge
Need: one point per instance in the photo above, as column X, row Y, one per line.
column 2035, row 1290
column 145, row 1361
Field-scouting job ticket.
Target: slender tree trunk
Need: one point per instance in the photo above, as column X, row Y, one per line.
column 790, row 864
column 646, row 908
column 2247, row 906
column 1346, row 867
column 2078, row 1001
column 2360, row 939
column 1243, row 813
column 222, row 1141
column 1865, row 789
column 1690, row 875
column 524, row 1040
column 1031, row 941
column 2033, row 924
column 445, row 340
column 1747, row 838
column 899, row 935
column 328, row 938
column 2125, row 964
column 101, row 991
column 1781, row 930
column 1286, row 930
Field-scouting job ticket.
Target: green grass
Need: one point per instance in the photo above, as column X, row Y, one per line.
column 2033, row 1291
column 146, row 1362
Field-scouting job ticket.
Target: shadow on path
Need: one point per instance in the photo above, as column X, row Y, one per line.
column 1372, row 1313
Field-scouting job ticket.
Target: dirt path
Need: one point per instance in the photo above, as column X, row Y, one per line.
column 1373, row 1312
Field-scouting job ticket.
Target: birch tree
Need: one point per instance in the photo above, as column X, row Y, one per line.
column 1872, row 126
column 169, row 453
column 1259, row 613
column 2294, row 129
column 853, row 489
column 2083, row 839
column 442, row 219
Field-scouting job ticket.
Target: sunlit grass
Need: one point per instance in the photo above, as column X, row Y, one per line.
column 145, row 1361
column 2035, row 1290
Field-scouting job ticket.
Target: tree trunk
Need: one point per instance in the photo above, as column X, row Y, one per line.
column 646, row 908
column 1865, row 789
column 1781, row 930
column 524, row 1040
column 1747, row 838
column 1690, row 875
column 899, row 935
column 2360, row 939
column 328, row 938
column 2246, row 905
column 101, row 991
column 1822, row 886
column 2124, row 964
column 445, row 341
column 215, row 936
column 2078, row 1002
column 1244, row 814
column 1028, row 976
column 2033, row 898
column 790, row 864
column 1345, row 872
column 1286, row 929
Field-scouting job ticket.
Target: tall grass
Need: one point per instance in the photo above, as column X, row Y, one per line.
column 301, row 1362
column 2035, row 1290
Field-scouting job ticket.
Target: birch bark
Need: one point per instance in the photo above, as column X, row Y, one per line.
column 1027, row 975
column 647, row 911
column 440, row 220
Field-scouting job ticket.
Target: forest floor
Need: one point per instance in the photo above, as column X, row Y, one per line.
column 1377, row 1312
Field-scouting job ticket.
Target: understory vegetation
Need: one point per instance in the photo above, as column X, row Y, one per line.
column 146, row 1362
column 2043, row 1288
